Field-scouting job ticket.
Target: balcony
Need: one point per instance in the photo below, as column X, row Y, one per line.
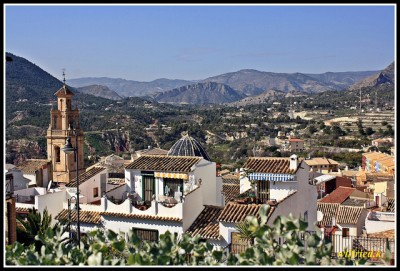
column 382, row 216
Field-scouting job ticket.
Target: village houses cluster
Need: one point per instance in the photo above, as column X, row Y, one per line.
column 181, row 190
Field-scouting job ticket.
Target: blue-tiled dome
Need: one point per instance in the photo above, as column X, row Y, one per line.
column 188, row 146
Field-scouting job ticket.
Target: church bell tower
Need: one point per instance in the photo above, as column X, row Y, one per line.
column 64, row 123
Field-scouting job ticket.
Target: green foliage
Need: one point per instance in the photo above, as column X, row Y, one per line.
column 105, row 247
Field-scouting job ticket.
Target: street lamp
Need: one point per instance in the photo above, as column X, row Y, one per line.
column 69, row 214
column 68, row 149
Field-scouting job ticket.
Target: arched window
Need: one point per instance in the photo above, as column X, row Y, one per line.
column 57, row 154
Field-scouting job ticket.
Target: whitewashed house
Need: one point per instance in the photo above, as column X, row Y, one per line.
column 38, row 171
column 274, row 178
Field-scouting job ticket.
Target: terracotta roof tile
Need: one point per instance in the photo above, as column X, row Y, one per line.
column 155, row 151
column 348, row 214
column 206, row 224
column 235, row 212
column 391, row 206
column 63, row 91
column 31, row 165
column 338, row 195
column 164, row 163
column 296, row 140
column 230, row 191
column 144, row 216
column 22, row 209
column 329, row 210
column 320, row 161
column 269, row 165
column 86, row 176
column 343, row 214
column 90, row 217
column 230, row 179
column 382, row 234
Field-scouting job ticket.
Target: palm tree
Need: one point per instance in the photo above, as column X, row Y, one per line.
column 33, row 225
column 245, row 232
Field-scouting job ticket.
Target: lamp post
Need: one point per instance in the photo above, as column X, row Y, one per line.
column 68, row 149
column 69, row 215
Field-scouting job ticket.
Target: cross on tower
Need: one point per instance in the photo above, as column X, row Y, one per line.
column 64, row 75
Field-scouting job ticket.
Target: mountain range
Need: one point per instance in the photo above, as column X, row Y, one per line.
column 26, row 80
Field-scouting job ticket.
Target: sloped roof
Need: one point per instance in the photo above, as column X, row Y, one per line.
column 391, row 206
column 329, row 210
column 348, row 214
column 316, row 161
column 382, row 234
column 235, row 212
column 269, row 165
column 31, row 165
column 64, row 90
column 206, row 224
column 188, row 146
column 230, row 191
column 338, row 195
column 164, row 163
column 85, row 176
column 155, row 151
column 230, row 187
column 90, row 217
column 140, row 216
column 344, row 214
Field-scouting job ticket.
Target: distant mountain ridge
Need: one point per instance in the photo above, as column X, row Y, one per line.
column 100, row 91
column 129, row 88
column 386, row 76
column 200, row 93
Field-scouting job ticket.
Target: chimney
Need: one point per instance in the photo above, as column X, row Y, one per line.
column 347, row 168
column 293, row 162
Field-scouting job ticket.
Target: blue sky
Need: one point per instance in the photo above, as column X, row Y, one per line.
column 143, row 43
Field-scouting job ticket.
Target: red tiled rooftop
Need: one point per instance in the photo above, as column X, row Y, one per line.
column 269, row 165
column 164, row 163
column 206, row 224
column 338, row 195
column 90, row 217
column 140, row 216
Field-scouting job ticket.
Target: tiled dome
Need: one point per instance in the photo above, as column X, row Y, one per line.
column 188, row 146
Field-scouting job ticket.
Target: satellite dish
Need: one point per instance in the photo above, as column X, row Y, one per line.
column 320, row 216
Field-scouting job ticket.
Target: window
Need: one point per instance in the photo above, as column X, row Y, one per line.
column 146, row 235
column 306, row 216
column 171, row 186
column 263, row 190
column 345, row 232
column 57, row 153
column 95, row 192
column 148, row 186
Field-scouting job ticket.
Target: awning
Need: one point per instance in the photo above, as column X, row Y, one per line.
column 271, row 177
column 171, row 175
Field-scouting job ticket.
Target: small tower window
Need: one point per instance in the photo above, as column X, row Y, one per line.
column 57, row 154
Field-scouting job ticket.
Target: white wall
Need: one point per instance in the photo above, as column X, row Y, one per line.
column 225, row 229
column 52, row 201
column 373, row 226
column 244, row 184
column 220, row 197
column 305, row 199
column 281, row 190
column 31, row 177
column 20, row 182
column 207, row 171
column 124, row 224
column 192, row 207
column 86, row 188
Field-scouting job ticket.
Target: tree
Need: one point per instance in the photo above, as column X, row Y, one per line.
column 312, row 129
column 369, row 131
column 33, row 225
column 105, row 247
